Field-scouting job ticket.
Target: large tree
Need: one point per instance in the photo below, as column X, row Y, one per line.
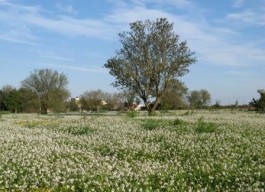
column 50, row 87
column 151, row 56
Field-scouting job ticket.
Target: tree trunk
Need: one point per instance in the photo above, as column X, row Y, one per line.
column 151, row 110
column 44, row 109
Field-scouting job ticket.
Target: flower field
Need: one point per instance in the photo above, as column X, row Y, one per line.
column 175, row 151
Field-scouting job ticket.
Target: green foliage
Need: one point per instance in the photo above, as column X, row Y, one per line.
column 199, row 99
column 50, row 87
column 151, row 124
column 259, row 104
column 205, row 127
column 74, row 105
column 22, row 100
column 96, row 100
column 29, row 101
column 83, row 130
column 10, row 99
column 173, row 98
column 177, row 122
column 217, row 104
column 132, row 114
column 188, row 113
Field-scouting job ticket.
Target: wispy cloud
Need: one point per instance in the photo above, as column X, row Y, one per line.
column 233, row 55
column 175, row 3
column 214, row 45
column 239, row 73
column 248, row 17
column 238, row 3
column 78, row 68
column 18, row 34
column 66, row 8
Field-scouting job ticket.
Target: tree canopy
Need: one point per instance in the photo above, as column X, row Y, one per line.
column 151, row 56
column 173, row 97
column 199, row 99
column 50, row 87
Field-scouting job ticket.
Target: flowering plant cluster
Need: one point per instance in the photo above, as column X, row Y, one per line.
column 204, row 151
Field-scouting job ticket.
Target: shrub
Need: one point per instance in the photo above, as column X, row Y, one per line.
column 132, row 114
column 189, row 113
column 178, row 122
column 150, row 124
column 259, row 104
column 81, row 130
column 205, row 127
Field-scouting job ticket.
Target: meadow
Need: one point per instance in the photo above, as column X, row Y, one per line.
column 172, row 151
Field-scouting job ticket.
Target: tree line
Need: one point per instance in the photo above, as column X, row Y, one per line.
column 46, row 90
column 147, row 68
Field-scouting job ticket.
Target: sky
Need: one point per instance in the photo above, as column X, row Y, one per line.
column 77, row 37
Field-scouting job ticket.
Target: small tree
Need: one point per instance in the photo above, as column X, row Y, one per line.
column 151, row 56
column 259, row 104
column 50, row 87
column 74, row 105
column 12, row 101
column 92, row 100
column 217, row 104
column 199, row 99
column 174, row 96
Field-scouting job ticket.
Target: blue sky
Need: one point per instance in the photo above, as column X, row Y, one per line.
column 77, row 37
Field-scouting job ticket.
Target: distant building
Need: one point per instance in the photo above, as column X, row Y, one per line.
column 76, row 100
column 103, row 102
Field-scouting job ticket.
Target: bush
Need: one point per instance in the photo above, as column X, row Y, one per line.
column 81, row 130
column 189, row 113
column 178, row 122
column 132, row 114
column 150, row 124
column 259, row 104
column 205, row 127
